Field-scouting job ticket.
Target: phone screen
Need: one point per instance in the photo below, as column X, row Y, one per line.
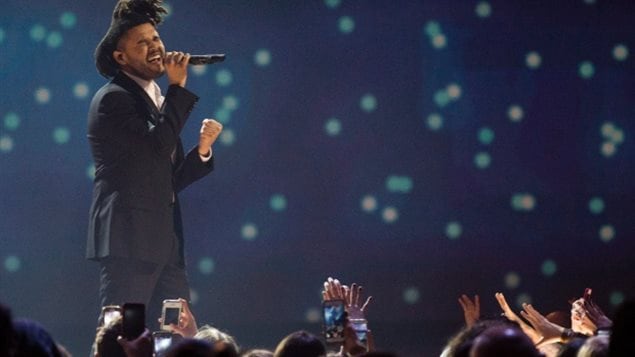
column 361, row 327
column 171, row 315
column 133, row 320
column 334, row 315
column 162, row 342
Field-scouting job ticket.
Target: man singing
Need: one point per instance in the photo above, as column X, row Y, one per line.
column 135, row 227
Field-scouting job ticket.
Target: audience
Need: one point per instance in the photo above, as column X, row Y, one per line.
column 529, row 333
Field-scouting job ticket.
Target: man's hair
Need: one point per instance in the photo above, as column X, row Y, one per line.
column 300, row 344
column 126, row 15
column 217, row 338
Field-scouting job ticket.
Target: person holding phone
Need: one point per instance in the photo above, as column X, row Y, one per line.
column 135, row 226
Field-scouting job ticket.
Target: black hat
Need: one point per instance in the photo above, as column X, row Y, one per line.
column 127, row 14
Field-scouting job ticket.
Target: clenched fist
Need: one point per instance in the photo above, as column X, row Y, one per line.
column 210, row 129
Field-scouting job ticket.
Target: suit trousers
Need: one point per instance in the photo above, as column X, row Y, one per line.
column 131, row 280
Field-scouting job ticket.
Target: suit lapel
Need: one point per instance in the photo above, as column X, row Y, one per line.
column 132, row 86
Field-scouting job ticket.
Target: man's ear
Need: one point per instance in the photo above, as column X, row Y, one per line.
column 120, row 57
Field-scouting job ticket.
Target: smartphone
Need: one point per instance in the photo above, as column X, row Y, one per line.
column 334, row 314
column 361, row 328
column 109, row 313
column 162, row 340
column 134, row 320
column 170, row 314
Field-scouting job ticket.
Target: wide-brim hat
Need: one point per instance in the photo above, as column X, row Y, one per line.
column 126, row 15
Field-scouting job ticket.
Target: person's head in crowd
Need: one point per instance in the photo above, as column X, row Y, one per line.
column 6, row 331
column 32, row 340
column 596, row 346
column 222, row 342
column 300, row 344
column 460, row 344
column 570, row 349
column 257, row 352
column 503, row 341
column 378, row 354
column 622, row 343
column 190, row 347
column 106, row 344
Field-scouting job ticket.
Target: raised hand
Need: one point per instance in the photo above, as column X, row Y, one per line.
column 210, row 130
column 471, row 309
column 511, row 315
column 187, row 323
column 548, row 331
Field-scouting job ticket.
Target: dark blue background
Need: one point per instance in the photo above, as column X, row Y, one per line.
column 263, row 288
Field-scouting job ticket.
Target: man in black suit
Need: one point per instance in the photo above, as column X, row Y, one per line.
column 135, row 227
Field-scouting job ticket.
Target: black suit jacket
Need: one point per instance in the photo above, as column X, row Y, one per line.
column 140, row 168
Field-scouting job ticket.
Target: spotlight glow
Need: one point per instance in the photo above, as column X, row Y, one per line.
column 278, row 202
column 38, row 33
column 90, row 171
column 586, row 69
column 224, row 78
column 432, row 29
column 206, row 266
column 42, row 95
column 482, row 160
column 68, row 20
column 61, row 135
column 483, row 9
column 596, row 205
column 332, row 4
column 81, row 91
column 6, row 144
column 12, row 264
column 390, row 214
column 399, row 184
column 607, row 233
column 453, row 230
column 549, row 267
column 54, row 39
column 368, row 103
column 411, row 295
column 227, row 137
column 486, row 136
column 439, row 41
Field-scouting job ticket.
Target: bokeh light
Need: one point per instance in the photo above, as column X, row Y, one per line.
column 249, row 232
column 453, row 230
column 434, row 121
column 332, row 4
column 483, row 9
column 206, row 265
column 515, row 113
column 68, row 20
column 399, row 184
column 38, row 33
column 608, row 149
column 12, row 264
column 368, row 103
column 482, row 160
column 432, row 28
column 596, row 205
column 586, row 69
column 313, row 315
column 523, row 298
column 11, row 121
column 278, row 202
column 54, row 39
column 523, row 202
column 439, row 41
column 620, row 52
column 6, row 143
column 230, row 102
column 607, row 233
column 90, row 171
column 81, row 90
column 616, row 298
column 61, row 135
column 333, row 127
column 2, row 35
column 454, row 91
column 224, row 78
column 411, row 295
column 223, row 115
column 346, row 24
column 199, row 70
column 227, row 137
column 390, row 214
column 486, row 136
column 512, row 280
column 549, row 267
column 441, row 98
column 262, row 58
column 42, row 95
column 368, row 203
column 533, row 60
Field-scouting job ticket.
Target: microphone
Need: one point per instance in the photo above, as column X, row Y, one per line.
column 206, row 59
